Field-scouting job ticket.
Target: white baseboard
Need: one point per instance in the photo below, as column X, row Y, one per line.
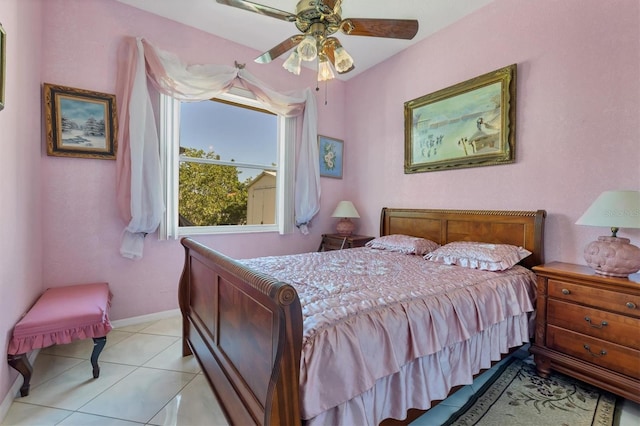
column 15, row 389
column 145, row 318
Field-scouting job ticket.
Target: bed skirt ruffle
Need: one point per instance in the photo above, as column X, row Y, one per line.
column 429, row 378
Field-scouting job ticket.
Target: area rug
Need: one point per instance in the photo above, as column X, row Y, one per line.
column 516, row 395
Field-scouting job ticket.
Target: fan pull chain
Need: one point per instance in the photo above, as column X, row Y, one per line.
column 326, row 82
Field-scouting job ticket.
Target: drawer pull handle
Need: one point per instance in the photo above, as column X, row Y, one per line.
column 565, row 291
column 602, row 324
column 631, row 305
column 588, row 349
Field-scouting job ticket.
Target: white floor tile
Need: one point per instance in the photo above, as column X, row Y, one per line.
column 134, row 328
column 140, row 395
column 630, row 415
column 75, row 387
column 81, row 419
column 137, row 349
column 165, row 327
column 46, row 367
column 29, row 415
column 172, row 359
column 193, row 404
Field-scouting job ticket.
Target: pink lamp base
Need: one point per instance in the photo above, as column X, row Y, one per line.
column 345, row 227
column 613, row 257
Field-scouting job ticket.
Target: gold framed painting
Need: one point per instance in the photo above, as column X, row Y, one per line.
column 469, row 124
column 3, row 65
column 80, row 123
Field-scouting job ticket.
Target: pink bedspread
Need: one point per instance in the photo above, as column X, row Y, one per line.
column 369, row 313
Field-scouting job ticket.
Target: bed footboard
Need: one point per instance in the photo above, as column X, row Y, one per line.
column 233, row 316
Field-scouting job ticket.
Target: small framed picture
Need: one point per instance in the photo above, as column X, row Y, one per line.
column 330, row 157
column 80, row 123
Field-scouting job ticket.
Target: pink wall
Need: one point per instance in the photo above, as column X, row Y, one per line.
column 578, row 122
column 577, row 135
column 82, row 228
column 20, row 204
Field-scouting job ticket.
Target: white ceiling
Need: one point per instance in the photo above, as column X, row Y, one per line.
column 262, row 32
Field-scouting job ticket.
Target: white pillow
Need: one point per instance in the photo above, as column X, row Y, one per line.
column 485, row 256
column 403, row 244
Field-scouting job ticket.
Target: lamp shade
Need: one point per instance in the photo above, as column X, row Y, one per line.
column 345, row 209
column 614, row 209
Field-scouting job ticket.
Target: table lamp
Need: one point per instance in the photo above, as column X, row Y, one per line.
column 613, row 256
column 345, row 210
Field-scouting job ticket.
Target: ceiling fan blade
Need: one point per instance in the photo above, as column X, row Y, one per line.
column 390, row 28
column 260, row 9
column 279, row 49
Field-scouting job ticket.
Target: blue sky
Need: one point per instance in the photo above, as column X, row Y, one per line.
column 233, row 133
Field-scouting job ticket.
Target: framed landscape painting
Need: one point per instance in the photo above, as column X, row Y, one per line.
column 330, row 156
column 469, row 124
column 80, row 123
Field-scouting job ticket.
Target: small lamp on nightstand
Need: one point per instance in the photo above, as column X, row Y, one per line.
column 345, row 210
column 613, row 256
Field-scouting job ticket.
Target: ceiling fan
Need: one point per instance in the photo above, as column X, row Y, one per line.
column 318, row 20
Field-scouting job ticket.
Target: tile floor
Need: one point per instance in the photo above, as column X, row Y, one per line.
column 145, row 381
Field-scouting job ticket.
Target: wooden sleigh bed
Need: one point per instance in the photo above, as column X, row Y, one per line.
column 246, row 328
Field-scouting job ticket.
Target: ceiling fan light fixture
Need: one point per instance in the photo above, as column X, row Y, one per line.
column 317, row 21
column 292, row 64
column 324, row 69
column 307, row 48
column 344, row 61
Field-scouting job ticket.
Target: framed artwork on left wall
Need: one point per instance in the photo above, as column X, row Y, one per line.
column 3, row 59
column 80, row 123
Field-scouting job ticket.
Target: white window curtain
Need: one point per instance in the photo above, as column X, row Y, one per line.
column 139, row 178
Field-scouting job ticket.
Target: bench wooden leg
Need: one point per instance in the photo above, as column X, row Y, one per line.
column 98, row 345
column 21, row 363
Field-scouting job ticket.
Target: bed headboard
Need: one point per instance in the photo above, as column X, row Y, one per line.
column 520, row 228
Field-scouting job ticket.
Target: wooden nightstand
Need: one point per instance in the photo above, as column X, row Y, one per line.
column 588, row 327
column 339, row 242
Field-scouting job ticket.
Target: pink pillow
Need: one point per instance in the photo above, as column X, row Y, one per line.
column 403, row 244
column 485, row 256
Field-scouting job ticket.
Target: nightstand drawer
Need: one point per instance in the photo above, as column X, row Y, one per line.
column 625, row 304
column 608, row 355
column 600, row 352
column 593, row 322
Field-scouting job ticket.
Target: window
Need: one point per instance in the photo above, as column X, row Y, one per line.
column 228, row 166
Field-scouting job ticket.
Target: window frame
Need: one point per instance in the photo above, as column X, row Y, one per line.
column 169, row 135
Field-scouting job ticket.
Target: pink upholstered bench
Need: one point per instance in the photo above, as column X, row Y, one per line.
column 62, row 315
